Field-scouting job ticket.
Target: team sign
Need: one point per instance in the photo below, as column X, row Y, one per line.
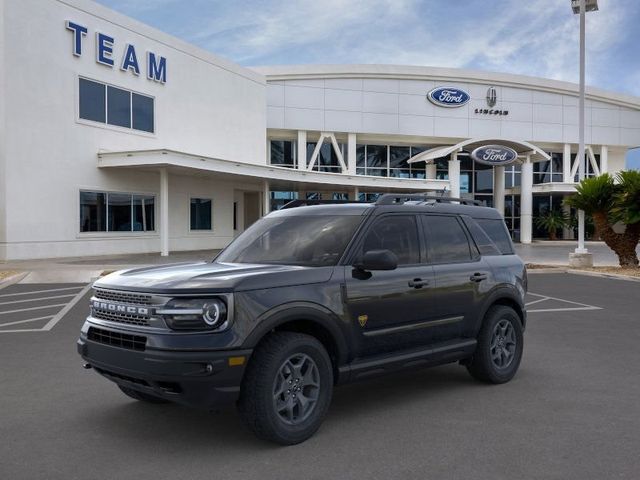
column 156, row 65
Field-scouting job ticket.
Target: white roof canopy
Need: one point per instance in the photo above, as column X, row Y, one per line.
column 522, row 148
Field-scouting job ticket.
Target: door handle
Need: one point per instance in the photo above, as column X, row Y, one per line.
column 418, row 283
column 478, row 277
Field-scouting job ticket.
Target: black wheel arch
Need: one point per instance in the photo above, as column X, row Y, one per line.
column 312, row 319
column 508, row 297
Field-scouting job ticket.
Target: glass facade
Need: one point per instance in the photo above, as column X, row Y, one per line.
column 116, row 212
column 283, row 153
column 389, row 161
column 327, row 160
column 115, row 106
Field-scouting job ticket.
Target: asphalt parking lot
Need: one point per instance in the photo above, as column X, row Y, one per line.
column 572, row 412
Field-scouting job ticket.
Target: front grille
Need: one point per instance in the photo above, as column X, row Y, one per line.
column 123, row 297
column 117, row 339
column 129, row 319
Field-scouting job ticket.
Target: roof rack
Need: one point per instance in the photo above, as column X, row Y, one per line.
column 306, row 202
column 394, row 199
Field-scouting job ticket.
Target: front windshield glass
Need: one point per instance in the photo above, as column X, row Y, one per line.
column 314, row 241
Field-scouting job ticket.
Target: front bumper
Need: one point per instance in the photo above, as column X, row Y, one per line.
column 202, row 379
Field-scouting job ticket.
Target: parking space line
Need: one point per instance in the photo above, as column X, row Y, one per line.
column 572, row 309
column 536, row 301
column 40, row 291
column 51, row 323
column 33, row 308
column 37, row 299
column 544, row 298
column 24, row 321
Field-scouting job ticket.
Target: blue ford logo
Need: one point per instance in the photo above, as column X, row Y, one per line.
column 448, row 97
column 494, row 155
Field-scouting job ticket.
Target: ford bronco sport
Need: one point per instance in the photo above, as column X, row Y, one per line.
column 311, row 297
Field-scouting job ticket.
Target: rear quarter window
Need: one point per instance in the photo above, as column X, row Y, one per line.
column 497, row 231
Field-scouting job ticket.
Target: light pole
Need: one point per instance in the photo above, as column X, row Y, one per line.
column 581, row 7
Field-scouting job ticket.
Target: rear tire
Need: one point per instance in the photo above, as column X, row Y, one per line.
column 287, row 388
column 500, row 345
column 141, row 396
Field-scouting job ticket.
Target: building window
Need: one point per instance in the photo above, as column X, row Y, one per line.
column 283, row 153
column 389, row 161
column 280, row 199
column 115, row 106
column 549, row 170
column 116, row 212
column 201, row 213
column 327, row 160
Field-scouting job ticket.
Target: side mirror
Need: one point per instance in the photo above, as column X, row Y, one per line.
column 377, row 260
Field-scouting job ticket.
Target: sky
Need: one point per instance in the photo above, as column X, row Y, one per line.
column 530, row 37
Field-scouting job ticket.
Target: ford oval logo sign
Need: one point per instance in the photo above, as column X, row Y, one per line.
column 494, row 155
column 448, row 97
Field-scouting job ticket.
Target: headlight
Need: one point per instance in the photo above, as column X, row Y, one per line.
column 194, row 314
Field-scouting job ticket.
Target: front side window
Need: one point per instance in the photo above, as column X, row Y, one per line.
column 446, row 240
column 201, row 213
column 116, row 212
column 313, row 241
column 111, row 105
column 397, row 233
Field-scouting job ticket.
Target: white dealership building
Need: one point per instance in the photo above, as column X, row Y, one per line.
column 118, row 138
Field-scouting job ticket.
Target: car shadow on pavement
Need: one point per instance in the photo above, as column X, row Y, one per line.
column 148, row 426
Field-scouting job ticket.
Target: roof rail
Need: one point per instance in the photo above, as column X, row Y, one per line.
column 306, row 202
column 395, row 198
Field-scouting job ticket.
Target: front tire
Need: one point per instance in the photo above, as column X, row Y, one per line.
column 500, row 345
column 141, row 396
column 287, row 388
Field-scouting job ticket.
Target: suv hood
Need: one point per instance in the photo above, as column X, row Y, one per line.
column 203, row 276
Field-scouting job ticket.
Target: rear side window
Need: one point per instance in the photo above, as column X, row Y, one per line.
column 447, row 241
column 482, row 240
column 397, row 233
column 498, row 233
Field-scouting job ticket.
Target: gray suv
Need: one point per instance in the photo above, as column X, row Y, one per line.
column 309, row 297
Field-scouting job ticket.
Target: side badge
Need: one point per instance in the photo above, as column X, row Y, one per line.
column 362, row 320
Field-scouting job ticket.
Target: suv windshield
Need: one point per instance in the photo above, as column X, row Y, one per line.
column 314, row 241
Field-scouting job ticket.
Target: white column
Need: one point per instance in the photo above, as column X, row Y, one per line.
column 566, row 164
column 431, row 172
column 356, row 192
column 266, row 198
column 526, row 201
column 302, row 150
column 454, row 175
column 164, row 212
column 498, row 189
column 351, row 153
column 604, row 159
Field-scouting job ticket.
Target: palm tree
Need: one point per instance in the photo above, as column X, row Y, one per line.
column 609, row 202
column 551, row 221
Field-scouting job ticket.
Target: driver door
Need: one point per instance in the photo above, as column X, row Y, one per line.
column 391, row 308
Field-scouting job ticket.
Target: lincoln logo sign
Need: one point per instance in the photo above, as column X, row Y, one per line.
column 448, row 97
column 494, row 155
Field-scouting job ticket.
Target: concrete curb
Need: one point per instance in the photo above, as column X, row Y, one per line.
column 547, row 270
column 613, row 276
column 12, row 279
column 575, row 271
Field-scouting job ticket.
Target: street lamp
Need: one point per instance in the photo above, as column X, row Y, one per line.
column 580, row 7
